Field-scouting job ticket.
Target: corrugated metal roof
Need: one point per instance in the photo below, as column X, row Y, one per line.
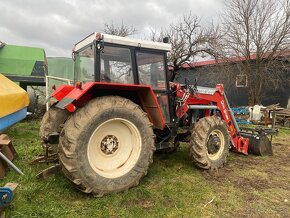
column 228, row 60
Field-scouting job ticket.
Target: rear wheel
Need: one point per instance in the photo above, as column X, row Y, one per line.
column 209, row 144
column 107, row 146
column 52, row 122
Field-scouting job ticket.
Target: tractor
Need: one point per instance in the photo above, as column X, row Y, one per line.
column 122, row 107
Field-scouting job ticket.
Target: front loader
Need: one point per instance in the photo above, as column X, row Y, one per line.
column 104, row 129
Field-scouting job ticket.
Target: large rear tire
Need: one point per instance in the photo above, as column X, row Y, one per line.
column 210, row 143
column 52, row 122
column 106, row 146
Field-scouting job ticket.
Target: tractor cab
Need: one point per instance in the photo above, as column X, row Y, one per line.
column 114, row 59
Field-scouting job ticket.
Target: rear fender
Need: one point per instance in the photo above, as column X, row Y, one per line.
column 74, row 97
column 60, row 93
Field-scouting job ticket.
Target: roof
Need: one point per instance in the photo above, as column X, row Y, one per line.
column 226, row 60
column 122, row 41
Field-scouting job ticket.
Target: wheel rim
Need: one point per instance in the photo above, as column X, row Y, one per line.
column 215, row 144
column 114, row 148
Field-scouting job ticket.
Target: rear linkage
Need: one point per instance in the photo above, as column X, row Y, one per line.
column 47, row 157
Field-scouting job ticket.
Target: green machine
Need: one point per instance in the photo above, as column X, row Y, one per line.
column 29, row 66
column 26, row 65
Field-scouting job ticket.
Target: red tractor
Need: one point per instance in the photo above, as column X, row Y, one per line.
column 105, row 128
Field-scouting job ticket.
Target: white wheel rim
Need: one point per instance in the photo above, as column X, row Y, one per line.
column 114, row 148
column 220, row 135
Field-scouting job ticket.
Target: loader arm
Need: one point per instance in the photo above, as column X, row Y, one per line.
column 213, row 99
column 219, row 98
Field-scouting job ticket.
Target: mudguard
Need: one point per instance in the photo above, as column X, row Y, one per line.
column 71, row 97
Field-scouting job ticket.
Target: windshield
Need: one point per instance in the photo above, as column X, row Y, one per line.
column 84, row 65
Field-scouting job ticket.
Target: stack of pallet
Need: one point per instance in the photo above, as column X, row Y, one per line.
column 274, row 114
column 283, row 117
column 8, row 150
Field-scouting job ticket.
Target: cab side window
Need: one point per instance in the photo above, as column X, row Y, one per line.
column 151, row 69
column 116, row 65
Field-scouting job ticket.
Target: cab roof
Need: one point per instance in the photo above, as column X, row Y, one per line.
column 121, row 41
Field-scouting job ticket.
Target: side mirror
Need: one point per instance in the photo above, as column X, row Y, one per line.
column 73, row 55
column 2, row 44
column 166, row 39
column 99, row 44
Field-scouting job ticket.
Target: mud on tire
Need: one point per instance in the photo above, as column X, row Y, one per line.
column 210, row 143
column 106, row 146
column 52, row 122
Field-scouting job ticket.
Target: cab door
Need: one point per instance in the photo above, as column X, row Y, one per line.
column 151, row 70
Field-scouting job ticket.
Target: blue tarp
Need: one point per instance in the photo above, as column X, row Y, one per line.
column 11, row 119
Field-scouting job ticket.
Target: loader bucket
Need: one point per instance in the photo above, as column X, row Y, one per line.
column 260, row 145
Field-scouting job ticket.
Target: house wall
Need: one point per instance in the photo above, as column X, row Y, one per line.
column 238, row 96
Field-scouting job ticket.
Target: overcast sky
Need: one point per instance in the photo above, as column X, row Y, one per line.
column 56, row 25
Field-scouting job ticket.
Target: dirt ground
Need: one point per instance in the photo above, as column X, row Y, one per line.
column 263, row 182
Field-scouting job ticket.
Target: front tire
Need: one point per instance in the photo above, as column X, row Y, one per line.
column 210, row 143
column 107, row 146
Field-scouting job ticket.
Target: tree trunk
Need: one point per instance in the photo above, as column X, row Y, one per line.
column 255, row 91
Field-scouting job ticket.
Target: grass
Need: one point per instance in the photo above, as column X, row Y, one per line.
column 174, row 187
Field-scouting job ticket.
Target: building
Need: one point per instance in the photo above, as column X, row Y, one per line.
column 211, row 72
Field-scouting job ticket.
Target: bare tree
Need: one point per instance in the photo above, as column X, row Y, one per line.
column 122, row 30
column 188, row 39
column 257, row 34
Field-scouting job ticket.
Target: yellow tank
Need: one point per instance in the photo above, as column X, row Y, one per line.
column 13, row 103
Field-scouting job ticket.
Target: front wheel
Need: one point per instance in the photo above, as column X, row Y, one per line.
column 210, row 143
column 107, row 146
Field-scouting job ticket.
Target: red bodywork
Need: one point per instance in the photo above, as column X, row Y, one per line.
column 217, row 99
column 71, row 97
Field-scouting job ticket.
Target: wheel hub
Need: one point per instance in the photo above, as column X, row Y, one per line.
column 109, row 144
column 213, row 144
column 114, row 148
